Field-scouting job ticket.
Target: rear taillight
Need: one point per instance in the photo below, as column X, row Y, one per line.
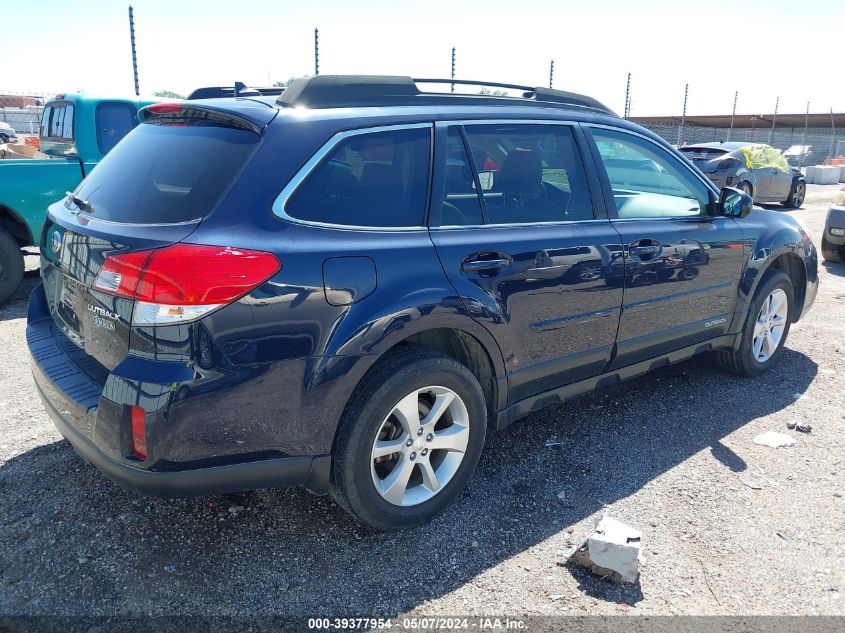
column 138, row 428
column 184, row 281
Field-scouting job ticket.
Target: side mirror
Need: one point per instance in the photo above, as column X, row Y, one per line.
column 734, row 203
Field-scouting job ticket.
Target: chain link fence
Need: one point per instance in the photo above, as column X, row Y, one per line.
column 22, row 110
column 824, row 142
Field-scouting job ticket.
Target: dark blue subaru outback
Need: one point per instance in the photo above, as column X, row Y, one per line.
column 345, row 287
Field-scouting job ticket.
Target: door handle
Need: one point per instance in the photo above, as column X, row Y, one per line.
column 476, row 265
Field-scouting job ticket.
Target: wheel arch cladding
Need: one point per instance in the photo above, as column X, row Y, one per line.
column 793, row 266
column 15, row 226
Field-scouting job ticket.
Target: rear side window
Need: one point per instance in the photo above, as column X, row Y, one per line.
column 114, row 121
column 529, row 173
column 376, row 179
column 167, row 173
column 461, row 205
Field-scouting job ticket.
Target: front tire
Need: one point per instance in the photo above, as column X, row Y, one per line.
column 745, row 187
column 765, row 330
column 409, row 439
column 11, row 265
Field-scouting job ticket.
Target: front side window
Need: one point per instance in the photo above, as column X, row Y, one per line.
column 376, row 179
column 529, row 173
column 114, row 121
column 647, row 181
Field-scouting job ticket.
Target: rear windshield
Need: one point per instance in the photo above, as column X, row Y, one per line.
column 161, row 174
column 702, row 153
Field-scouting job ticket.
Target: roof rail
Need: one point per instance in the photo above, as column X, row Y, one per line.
column 238, row 90
column 332, row 91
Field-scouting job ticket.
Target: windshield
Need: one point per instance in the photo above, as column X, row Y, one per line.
column 166, row 173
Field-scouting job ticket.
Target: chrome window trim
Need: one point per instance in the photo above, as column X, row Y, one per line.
column 294, row 183
column 453, row 227
column 505, row 121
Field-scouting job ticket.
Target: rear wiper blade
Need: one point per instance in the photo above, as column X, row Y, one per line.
column 80, row 203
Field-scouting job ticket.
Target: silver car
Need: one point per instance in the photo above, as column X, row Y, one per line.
column 833, row 238
column 7, row 133
column 759, row 170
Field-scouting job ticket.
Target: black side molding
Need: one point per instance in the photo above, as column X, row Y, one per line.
column 527, row 406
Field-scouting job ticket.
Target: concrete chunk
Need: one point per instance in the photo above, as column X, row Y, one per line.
column 612, row 550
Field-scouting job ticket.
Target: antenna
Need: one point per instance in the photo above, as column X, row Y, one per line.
column 552, row 74
column 316, row 52
column 453, row 67
column 134, row 56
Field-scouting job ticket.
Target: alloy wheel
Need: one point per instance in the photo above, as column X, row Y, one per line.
column 798, row 196
column 419, row 446
column 770, row 325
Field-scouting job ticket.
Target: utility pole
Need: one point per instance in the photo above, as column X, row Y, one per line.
column 683, row 115
column 453, row 67
column 733, row 115
column 134, row 56
column 832, row 134
column 627, row 111
column 552, row 74
column 774, row 120
column 804, row 135
column 316, row 52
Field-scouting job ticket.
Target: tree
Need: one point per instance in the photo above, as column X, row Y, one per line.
column 168, row 94
column 285, row 84
column 493, row 93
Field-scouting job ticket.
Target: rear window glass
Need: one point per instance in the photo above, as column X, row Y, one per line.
column 373, row 179
column 166, row 173
column 702, row 153
column 114, row 121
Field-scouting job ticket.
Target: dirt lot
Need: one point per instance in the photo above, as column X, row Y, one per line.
column 729, row 527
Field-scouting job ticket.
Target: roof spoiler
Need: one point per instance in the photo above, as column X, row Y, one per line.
column 238, row 90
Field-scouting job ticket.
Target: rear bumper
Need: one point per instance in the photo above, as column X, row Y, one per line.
column 75, row 402
column 310, row 472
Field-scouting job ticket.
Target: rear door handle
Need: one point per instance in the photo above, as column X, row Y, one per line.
column 476, row 265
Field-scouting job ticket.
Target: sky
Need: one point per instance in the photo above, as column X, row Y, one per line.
column 763, row 49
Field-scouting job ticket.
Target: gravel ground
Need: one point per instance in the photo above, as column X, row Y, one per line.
column 729, row 527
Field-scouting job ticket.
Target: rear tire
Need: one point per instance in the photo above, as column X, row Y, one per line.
column 375, row 421
column 746, row 187
column 796, row 195
column 762, row 337
column 831, row 252
column 11, row 265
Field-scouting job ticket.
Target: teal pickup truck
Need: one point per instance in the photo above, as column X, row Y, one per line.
column 76, row 132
